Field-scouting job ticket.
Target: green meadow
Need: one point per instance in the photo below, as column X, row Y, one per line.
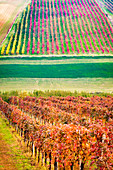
column 78, row 70
column 90, row 74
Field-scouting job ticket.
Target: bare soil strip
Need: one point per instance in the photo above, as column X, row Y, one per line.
column 8, row 11
column 5, row 12
column 44, row 84
column 6, row 155
column 14, row 154
column 48, row 62
column 62, row 55
column 6, row 161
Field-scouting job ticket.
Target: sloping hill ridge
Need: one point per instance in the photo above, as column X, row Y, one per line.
column 49, row 27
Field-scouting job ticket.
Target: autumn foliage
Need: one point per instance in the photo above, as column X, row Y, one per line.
column 70, row 131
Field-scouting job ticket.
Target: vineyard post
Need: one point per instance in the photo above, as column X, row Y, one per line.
column 45, row 158
column 55, row 164
column 80, row 161
column 40, row 121
column 28, row 145
column 42, row 162
column 37, row 119
column 44, row 122
column 20, row 132
column 33, row 149
column 81, row 165
column 16, row 128
column 9, row 120
column 39, row 155
column 25, row 136
column 103, row 139
column 50, row 161
column 72, row 166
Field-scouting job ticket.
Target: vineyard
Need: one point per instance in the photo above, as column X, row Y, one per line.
column 58, row 129
column 61, row 27
column 65, row 132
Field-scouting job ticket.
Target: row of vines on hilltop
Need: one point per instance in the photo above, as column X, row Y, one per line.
column 61, row 27
column 70, row 132
column 109, row 5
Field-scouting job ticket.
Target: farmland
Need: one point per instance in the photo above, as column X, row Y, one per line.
column 80, row 70
column 56, row 84
column 90, row 85
column 60, row 27
column 68, row 132
column 57, row 73
column 108, row 5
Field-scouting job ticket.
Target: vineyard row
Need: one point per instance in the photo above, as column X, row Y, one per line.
column 61, row 27
column 65, row 145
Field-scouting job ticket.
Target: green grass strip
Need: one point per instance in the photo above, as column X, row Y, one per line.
column 78, row 70
column 22, row 162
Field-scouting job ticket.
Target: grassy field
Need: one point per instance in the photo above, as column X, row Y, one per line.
column 78, row 84
column 77, row 70
column 57, row 73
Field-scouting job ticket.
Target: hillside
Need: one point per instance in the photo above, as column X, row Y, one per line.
column 60, row 27
column 9, row 10
column 56, row 85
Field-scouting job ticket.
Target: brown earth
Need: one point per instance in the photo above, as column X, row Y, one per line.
column 8, row 11
column 6, row 160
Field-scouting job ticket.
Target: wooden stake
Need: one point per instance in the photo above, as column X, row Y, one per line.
column 50, row 161
column 33, row 149
column 39, row 156
column 72, row 166
column 42, row 158
column 55, row 164
column 45, row 158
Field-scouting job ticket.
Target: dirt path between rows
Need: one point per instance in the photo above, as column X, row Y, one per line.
column 6, row 159
column 14, row 154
